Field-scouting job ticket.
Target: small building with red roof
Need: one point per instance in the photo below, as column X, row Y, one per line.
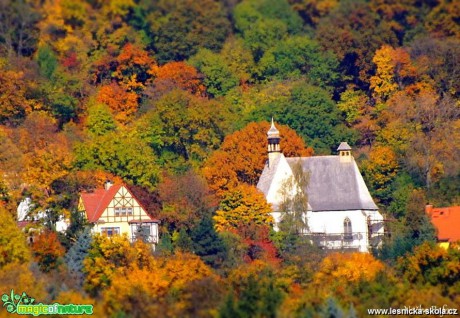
column 447, row 223
column 115, row 210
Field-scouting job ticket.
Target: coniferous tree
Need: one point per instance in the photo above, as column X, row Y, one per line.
column 207, row 244
column 77, row 253
column 332, row 309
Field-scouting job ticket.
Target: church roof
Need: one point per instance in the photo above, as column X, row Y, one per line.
column 267, row 176
column 333, row 185
column 273, row 131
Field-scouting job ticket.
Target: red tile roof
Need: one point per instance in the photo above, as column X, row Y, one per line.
column 446, row 221
column 97, row 201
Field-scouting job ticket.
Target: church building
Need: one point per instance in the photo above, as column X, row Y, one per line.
column 341, row 213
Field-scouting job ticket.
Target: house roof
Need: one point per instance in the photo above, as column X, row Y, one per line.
column 97, row 201
column 333, row 185
column 447, row 221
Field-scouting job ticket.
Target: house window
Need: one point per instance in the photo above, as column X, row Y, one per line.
column 110, row 231
column 347, row 231
column 123, row 211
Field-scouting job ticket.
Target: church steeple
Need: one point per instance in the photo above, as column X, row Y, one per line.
column 273, row 137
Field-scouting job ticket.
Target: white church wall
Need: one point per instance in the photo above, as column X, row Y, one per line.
column 283, row 172
column 328, row 228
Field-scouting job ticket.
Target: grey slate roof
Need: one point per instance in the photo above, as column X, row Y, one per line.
column 333, row 186
column 344, row 146
column 267, row 176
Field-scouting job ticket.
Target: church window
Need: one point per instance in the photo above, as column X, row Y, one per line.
column 347, row 230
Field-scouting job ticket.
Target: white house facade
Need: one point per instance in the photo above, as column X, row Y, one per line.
column 341, row 213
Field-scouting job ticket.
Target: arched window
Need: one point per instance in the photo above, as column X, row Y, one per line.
column 347, row 231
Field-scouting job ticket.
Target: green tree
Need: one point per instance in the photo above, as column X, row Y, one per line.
column 264, row 23
column 182, row 241
column 300, row 55
column 312, row 105
column 414, row 229
column 191, row 127
column 179, row 27
column 47, row 61
column 165, row 245
column 100, row 120
column 255, row 292
column 207, row 244
column 123, row 154
column 218, row 77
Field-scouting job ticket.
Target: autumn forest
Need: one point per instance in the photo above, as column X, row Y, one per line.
column 174, row 98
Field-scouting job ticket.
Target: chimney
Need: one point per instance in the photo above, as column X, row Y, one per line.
column 108, row 184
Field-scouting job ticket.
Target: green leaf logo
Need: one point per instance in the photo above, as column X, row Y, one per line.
column 12, row 301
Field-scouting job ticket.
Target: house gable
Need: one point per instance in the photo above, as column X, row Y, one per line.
column 124, row 207
column 115, row 204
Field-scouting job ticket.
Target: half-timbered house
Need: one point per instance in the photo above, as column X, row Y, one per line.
column 115, row 210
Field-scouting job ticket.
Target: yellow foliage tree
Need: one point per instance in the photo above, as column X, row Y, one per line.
column 13, row 247
column 141, row 291
column 380, row 170
column 242, row 207
column 345, row 268
column 394, row 68
column 106, row 256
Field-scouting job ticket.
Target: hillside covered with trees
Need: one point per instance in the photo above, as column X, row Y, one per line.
column 174, row 98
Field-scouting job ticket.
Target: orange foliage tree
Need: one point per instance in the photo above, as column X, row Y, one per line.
column 242, row 156
column 178, row 74
column 47, row 250
column 122, row 102
column 131, row 68
column 14, row 106
column 185, row 199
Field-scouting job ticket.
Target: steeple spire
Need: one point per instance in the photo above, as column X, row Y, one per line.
column 273, row 137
